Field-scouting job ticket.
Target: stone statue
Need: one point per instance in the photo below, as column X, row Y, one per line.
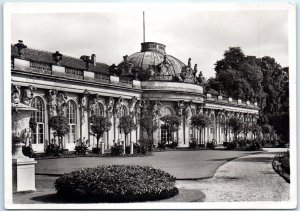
column 52, row 103
column 93, row 102
column 156, row 108
column 15, row 94
column 189, row 63
column 132, row 103
column 118, row 106
column 195, row 70
column 83, row 104
column 110, row 107
column 28, row 95
column 181, row 108
column 61, row 102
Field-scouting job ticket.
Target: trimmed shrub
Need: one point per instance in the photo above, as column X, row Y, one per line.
column 193, row 145
column 231, row 145
column 28, row 151
column 96, row 150
column 53, row 150
column 172, row 145
column 116, row 150
column 161, row 145
column 254, row 146
column 81, row 149
column 225, row 144
column 201, row 145
column 210, row 145
column 116, row 183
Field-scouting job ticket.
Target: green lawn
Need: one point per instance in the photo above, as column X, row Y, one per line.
column 181, row 164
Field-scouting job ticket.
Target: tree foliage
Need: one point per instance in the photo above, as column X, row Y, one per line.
column 236, row 125
column 172, row 122
column 149, row 124
column 200, row 121
column 255, row 79
column 60, row 125
column 126, row 125
column 99, row 125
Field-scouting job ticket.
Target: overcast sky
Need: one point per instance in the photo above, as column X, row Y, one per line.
column 203, row 36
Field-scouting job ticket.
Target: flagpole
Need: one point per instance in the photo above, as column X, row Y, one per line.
column 144, row 26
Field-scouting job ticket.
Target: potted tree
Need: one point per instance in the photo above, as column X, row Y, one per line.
column 171, row 123
column 150, row 125
column 126, row 125
column 60, row 125
column 99, row 125
column 200, row 121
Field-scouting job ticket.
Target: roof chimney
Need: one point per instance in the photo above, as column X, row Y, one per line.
column 93, row 58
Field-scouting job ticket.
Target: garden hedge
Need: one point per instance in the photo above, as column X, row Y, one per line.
column 116, row 183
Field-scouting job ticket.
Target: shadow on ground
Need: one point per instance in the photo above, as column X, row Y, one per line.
column 254, row 159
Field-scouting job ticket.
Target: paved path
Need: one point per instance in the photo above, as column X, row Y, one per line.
column 181, row 164
column 249, row 178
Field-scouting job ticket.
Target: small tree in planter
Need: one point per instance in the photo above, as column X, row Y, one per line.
column 150, row 125
column 236, row 126
column 200, row 121
column 172, row 122
column 126, row 125
column 99, row 125
column 246, row 128
column 60, row 125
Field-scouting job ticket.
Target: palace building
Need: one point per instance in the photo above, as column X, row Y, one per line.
column 57, row 84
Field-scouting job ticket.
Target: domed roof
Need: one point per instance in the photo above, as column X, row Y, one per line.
column 152, row 54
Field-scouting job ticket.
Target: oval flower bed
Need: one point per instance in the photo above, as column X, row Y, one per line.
column 116, row 183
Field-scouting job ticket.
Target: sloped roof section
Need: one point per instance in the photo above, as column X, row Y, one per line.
column 67, row 61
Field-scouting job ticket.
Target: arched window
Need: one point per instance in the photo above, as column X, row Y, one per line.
column 165, row 111
column 165, row 134
column 99, row 110
column 71, row 115
column 123, row 110
column 192, row 131
column 38, row 116
column 211, row 126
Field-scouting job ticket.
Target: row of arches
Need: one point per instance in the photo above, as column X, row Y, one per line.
column 70, row 111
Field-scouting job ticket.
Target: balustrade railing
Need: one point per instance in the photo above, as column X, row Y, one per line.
column 102, row 78
column 74, row 73
column 40, row 67
column 161, row 78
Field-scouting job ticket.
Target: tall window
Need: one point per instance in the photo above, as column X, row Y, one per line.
column 71, row 115
column 123, row 110
column 211, row 127
column 192, row 132
column 99, row 110
column 38, row 116
column 165, row 134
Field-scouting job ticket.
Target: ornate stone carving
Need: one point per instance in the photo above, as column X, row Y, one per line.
column 118, row 106
column 188, row 74
column 125, row 67
column 28, row 95
column 139, row 107
column 15, row 94
column 20, row 45
column 57, row 57
column 83, row 104
column 52, row 103
column 180, row 108
column 93, row 102
column 156, row 108
column 61, row 102
column 110, row 107
column 164, row 67
column 132, row 103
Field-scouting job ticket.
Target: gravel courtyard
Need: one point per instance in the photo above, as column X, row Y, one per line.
column 249, row 178
column 181, row 164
